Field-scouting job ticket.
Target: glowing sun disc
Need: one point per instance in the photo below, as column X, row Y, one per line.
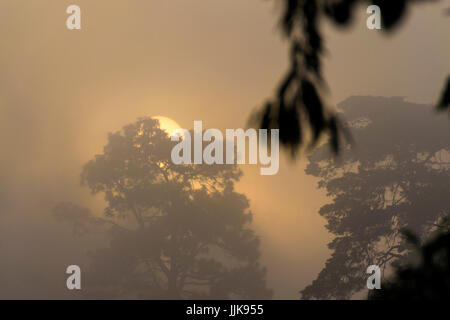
column 168, row 125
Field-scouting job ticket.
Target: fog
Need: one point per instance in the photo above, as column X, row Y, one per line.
column 62, row 91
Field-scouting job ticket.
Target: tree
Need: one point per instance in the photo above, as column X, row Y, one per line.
column 298, row 109
column 429, row 279
column 394, row 176
column 190, row 236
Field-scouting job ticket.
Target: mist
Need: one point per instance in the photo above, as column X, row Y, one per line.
column 62, row 92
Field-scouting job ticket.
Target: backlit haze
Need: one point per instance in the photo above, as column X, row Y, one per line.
column 62, row 91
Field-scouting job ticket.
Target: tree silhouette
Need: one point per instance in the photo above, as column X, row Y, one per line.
column 429, row 279
column 395, row 177
column 298, row 109
column 444, row 101
column 190, row 236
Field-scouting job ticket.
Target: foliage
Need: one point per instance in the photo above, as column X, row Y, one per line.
column 298, row 109
column 190, row 237
column 427, row 280
column 395, row 176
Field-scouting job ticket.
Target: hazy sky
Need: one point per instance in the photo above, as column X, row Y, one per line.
column 62, row 91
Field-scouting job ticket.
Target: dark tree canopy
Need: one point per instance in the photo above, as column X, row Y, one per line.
column 190, row 237
column 444, row 101
column 427, row 279
column 298, row 109
column 395, row 176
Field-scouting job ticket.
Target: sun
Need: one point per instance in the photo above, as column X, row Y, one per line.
column 168, row 125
